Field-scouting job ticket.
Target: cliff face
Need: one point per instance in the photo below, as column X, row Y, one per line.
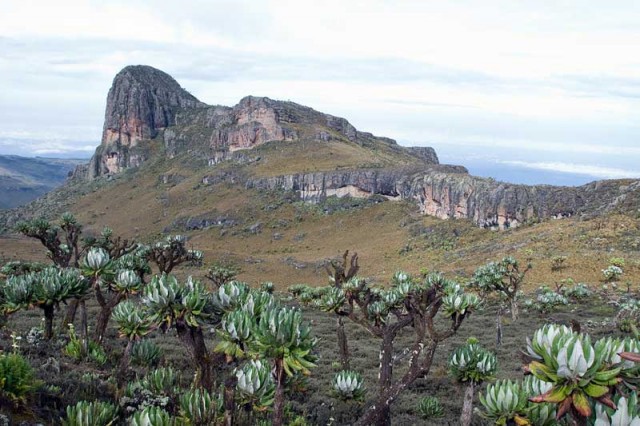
column 145, row 103
column 450, row 192
column 142, row 101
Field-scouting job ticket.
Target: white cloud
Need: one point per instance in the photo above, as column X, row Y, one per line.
column 546, row 76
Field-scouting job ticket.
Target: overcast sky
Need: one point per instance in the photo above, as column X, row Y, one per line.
column 552, row 87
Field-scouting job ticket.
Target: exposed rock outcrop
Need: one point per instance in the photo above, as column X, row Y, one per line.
column 142, row 101
column 449, row 192
column 145, row 103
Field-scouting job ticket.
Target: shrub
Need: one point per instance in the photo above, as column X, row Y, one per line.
column 612, row 273
column 75, row 349
column 17, row 379
column 578, row 291
column 617, row 261
column 558, row 262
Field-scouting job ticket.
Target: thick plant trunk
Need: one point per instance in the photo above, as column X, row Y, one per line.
column 102, row 322
column 229, row 399
column 278, row 403
column 193, row 339
column 70, row 315
column 343, row 344
column 48, row 321
column 84, row 328
column 381, row 416
column 514, row 309
column 124, row 362
column 467, row 405
column 379, row 412
column 106, row 308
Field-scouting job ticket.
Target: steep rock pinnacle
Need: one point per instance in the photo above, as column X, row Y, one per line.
column 141, row 101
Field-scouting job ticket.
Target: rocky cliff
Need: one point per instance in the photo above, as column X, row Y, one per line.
column 141, row 102
column 147, row 106
column 450, row 192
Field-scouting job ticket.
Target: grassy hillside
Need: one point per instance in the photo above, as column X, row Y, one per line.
column 270, row 235
column 24, row 179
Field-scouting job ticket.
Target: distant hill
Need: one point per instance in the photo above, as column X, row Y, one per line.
column 23, row 179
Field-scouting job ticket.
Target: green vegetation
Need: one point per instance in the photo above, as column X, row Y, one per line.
column 228, row 353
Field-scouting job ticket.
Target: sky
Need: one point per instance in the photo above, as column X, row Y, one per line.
column 525, row 91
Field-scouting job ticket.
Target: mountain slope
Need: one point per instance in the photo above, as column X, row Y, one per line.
column 24, row 179
column 276, row 188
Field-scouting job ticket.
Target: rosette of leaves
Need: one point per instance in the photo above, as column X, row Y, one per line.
column 91, row 413
column 354, row 285
column 44, row 289
column 267, row 287
column 146, row 353
column 161, row 381
column 430, row 408
column 133, row 324
column 580, row 373
column 16, row 267
column 133, row 262
column 378, row 312
column 282, row 336
column 230, row 295
column 127, row 281
column 471, row 364
column 185, row 307
column 256, row 302
column 504, row 402
column 297, row 289
column 348, row 384
column 151, row 416
column 235, row 332
column 627, row 412
column 400, row 277
column 393, row 297
column 612, row 273
column 578, row 291
column 255, row 385
column 459, row 304
column 168, row 301
column 628, row 317
column 97, row 263
column 542, row 413
column 616, row 353
column 333, row 299
column 198, row 407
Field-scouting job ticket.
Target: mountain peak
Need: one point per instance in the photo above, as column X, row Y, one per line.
column 142, row 100
column 146, row 104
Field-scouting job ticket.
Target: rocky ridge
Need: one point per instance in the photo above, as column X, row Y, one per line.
column 145, row 104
